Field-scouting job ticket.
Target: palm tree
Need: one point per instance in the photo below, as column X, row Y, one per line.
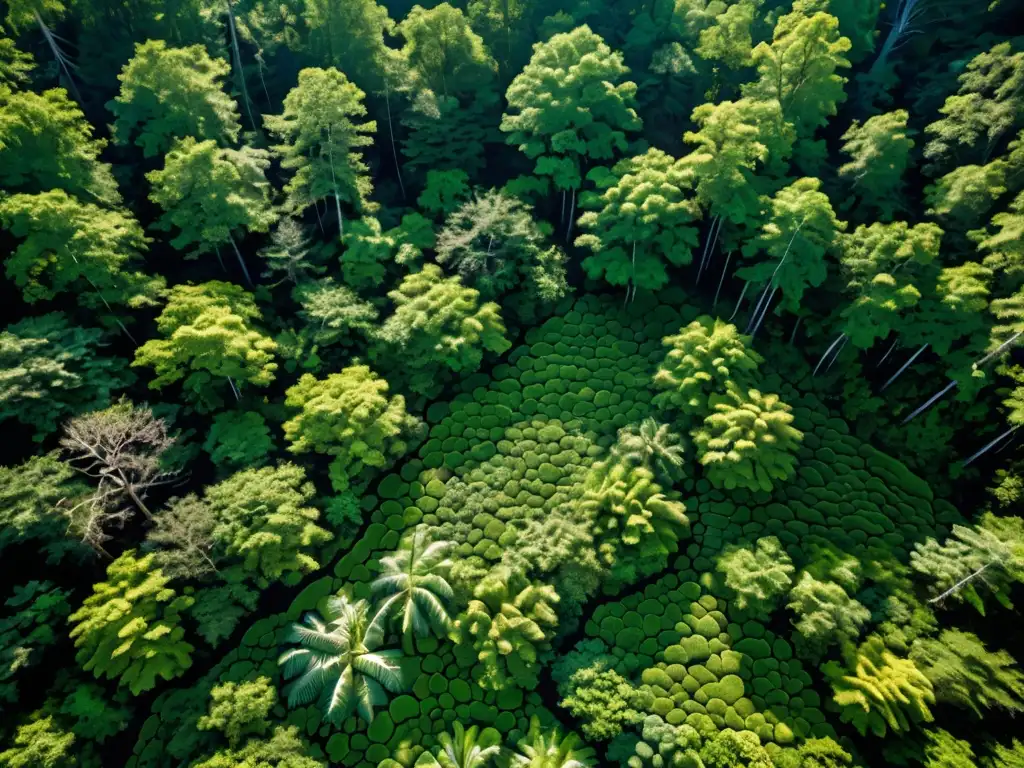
column 336, row 664
column 654, row 446
column 466, row 749
column 540, row 749
column 413, row 585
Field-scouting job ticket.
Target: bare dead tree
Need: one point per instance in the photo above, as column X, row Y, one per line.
column 182, row 537
column 120, row 448
column 90, row 518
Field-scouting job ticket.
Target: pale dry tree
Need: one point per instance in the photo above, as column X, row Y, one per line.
column 121, row 448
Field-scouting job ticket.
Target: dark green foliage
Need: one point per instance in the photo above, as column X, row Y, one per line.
column 29, row 495
column 50, row 369
column 31, row 623
column 965, row 673
column 238, row 439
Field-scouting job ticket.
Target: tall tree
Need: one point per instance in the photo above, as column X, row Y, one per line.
column 444, row 53
column 129, row 628
column 50, row 369
column 438, row 328
column 46, row 143
column 497, row 245
column 320, row 137
column 123, row 450
column 799, row 70
column 988, row 104
column 349, row 35
column 210, row 195
column 263, row 529
column 975, row 562
column 801, row 229
column 349, row 415
column 170, row 93
column 882, row 265
column 639, row 221
column 209, row 338
column 562, row 114
column 879, row 153
column 760, row 574
column 68, row 246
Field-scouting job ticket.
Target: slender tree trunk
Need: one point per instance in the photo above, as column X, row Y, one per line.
column 220, row 260
column 391, row 133
column 721, row 279
column 989, row 446
column 561, row 216
column 61, row 61
column 572, row 211
column 796, row 326
column 998, row 349
column 320, row 221
column 341, row 220
column 241, row 261
column 837, row 354
column 825, row 354
column 904, row 367
column 964, row 581
column 709, row 243
column 110, row 309
column 238, row 64
column 739, row 301
column 764, row 311
column 921, row 409
column 895, row 343
column 234, row 389
column 905, row 13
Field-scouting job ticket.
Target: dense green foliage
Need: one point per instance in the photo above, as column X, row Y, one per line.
column 509, row 384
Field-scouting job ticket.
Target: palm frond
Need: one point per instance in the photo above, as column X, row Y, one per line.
column 382, row 666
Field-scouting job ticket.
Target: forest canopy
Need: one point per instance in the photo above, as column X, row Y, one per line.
column 511, row 384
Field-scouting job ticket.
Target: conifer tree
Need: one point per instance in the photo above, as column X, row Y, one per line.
column 879, row 153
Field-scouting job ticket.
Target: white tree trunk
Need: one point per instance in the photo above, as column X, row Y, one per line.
column 904, row 367
column 930, row 401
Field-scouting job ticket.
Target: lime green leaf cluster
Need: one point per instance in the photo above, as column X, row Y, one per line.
column 703, row 358
column 879, row 153
column 320, row 137
column 635, row 523
column 46, row 143
column 793, row 243
column 509, row 632
column 349, row 416
column 239, row 710
column 210, row 194
column 759, row 574
column 570, row 104
column 69, row 246
column 284, row 749
column 129, row 628
column 604, row 701
column 208, row 339
column 438, row 328
column 642, row 220
column 825, row 614
column 169, row 93
column 747, row 441
column 882, row 263
column 263, row 527
column 880, row 691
